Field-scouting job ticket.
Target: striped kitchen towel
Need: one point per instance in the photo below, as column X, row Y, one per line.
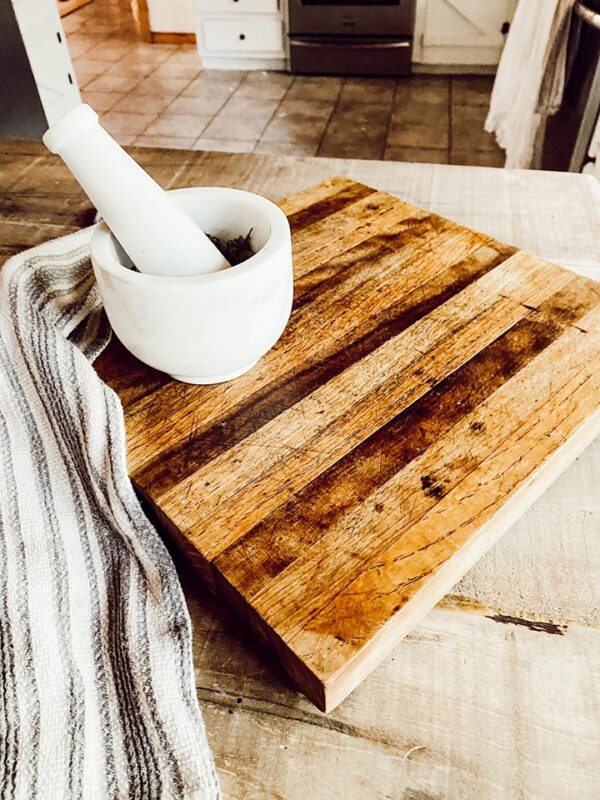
column 97, row 693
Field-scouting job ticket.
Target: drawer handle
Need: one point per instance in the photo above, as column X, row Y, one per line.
column 242, row 36
column 346, row 45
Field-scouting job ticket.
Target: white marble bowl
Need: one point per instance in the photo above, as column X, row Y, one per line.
column 204, row 328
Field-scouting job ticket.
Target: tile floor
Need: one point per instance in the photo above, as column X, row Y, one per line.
column 159, row 95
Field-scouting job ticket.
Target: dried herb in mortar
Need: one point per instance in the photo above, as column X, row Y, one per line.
column 235, row 250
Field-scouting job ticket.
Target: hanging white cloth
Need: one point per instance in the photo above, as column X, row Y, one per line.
column 530, row 78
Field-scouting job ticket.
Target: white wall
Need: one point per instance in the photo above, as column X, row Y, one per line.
column 171, row 16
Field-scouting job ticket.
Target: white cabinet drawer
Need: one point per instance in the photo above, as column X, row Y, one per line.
column 238, row 6
column 243, row 36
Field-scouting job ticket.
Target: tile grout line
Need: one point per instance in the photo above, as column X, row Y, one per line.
column 275, row 110
column 233, row 94
column 224, row 106
column 450, row 116
column 389, row 122
column 183, row 88
column 175, row 97
column 85, row 87
column 213, row 116
column 81, row 57
column 84, row 56
column 331, row 116
column 272, row 117
column 126, row 94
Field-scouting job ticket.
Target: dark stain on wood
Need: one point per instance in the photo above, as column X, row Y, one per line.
column 418, row 794
column 571, row 303
column 180, row 461
column 330, row 205
column 281, row 537
column 533, row 625
column 431, row 486
column 359, row 258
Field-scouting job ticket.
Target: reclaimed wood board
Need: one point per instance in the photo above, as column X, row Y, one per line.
column 431, row 383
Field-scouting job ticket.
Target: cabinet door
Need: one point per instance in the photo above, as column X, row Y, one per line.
column 461, row 31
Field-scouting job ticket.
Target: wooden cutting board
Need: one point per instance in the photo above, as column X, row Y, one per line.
column 430, row 385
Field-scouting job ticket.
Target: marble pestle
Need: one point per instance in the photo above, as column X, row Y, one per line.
column 157, row 235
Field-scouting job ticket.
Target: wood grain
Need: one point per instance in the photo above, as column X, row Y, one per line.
column 482, row 699
column 429, row 379
column 164, row 37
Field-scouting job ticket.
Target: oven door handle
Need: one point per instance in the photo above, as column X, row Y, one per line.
column 347, row 45
column 587, row 15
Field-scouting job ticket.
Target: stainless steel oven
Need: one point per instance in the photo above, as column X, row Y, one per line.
column 351, row 36
column 568, row 134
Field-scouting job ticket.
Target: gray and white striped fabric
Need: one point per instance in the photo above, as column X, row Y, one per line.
column 97, row 696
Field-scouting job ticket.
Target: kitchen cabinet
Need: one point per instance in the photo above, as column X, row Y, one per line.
column 46, row 47
column 461, row 32
column 240, row 34
column 249, row 34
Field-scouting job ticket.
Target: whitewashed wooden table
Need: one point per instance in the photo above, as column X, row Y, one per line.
column 496, row 695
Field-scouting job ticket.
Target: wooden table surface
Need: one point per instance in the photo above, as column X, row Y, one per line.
column 497, row 693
